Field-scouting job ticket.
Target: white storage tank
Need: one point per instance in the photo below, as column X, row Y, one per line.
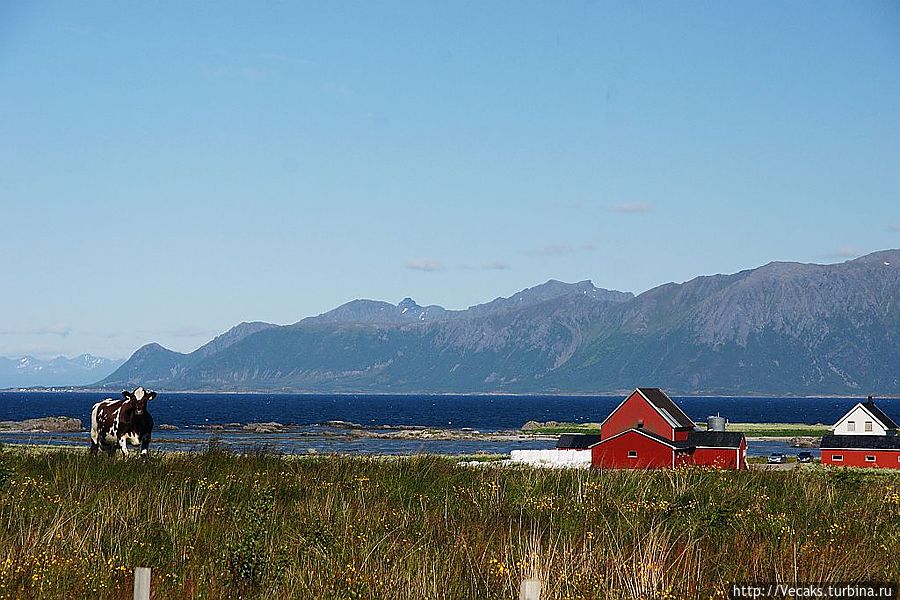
column 715, row 423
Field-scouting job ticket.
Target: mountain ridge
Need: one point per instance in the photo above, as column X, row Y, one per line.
column 784, row 327
column 28, row 371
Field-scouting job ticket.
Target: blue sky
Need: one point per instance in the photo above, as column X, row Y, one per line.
column 168, row 169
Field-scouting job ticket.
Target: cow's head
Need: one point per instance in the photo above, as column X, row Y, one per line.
column 139, row 397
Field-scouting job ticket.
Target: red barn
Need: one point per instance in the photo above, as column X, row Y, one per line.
column 648, row 431
column 864, row 437
column 861, row 451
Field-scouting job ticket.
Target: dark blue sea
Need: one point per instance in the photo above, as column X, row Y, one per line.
column 193, row 414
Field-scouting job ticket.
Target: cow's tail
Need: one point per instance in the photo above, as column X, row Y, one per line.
column 95, row 431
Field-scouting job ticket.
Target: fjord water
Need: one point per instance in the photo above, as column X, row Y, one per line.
column 193, row 413
column 482, row 412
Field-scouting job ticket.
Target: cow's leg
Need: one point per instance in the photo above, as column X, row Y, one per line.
column 94, row 448
column 123, row 444
column 145, row 445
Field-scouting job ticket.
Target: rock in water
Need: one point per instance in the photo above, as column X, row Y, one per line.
column 343, row 425
column 532, row 425
column 805, row 441
column 53, row 424
column 263, row 427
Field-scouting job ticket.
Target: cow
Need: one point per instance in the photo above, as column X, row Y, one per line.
column 122, row 422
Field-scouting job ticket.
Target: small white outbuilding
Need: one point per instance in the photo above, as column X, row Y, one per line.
column 573, row 450
column 576, row 459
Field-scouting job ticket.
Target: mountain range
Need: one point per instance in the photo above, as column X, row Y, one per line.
column 783, row 328
column 29, row 371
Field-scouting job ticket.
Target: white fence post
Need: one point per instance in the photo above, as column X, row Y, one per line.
column 530, row 589
column 142, row 583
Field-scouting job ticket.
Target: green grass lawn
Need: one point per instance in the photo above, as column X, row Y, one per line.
column 779, row 429
column 216, row 525
column 585, row 428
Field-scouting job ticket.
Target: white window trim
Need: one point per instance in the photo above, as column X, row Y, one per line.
column 870, row 458
column 632, row 454
column 837, row 457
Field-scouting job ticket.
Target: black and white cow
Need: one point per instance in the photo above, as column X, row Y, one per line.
column 122, row 422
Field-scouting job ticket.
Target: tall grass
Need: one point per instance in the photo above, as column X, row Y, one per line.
column 215, row 525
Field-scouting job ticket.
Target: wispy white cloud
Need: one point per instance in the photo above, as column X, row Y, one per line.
column 895, row 227
column 556, row 250
column 39, row 351
column 569, row 204
column 551, row 250
column 429, row 265
column 60, row 330
column 278, row 57
column 631, row 208
column 227, row 71
column 187, row 332
column 76, row 29
column 335, row 88
column 496, row 265
column 845, row 252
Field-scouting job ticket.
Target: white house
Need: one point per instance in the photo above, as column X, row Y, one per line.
column 865, row 419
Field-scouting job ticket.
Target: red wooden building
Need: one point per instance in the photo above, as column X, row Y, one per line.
column 647, row 431
column 864, row 437
column 861, row 451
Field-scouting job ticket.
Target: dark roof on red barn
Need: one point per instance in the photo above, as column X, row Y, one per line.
column 860, row 442
column 879, row 414
column 715, row 439
column 707, row 439
column 660, row 400
column 572, row 441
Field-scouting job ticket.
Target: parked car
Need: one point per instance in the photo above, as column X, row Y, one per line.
column 776, row 458
column 805, row 457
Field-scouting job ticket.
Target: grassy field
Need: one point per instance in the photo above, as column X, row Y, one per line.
column 585, row 428
column 751, row 429
column 779, row 429
column 215, row 525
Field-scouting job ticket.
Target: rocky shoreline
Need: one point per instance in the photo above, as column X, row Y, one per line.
column 44, row 425
column 344, row 429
